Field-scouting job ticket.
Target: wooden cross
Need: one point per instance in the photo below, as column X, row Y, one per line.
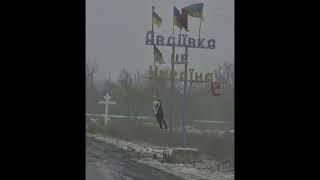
column 106, row 110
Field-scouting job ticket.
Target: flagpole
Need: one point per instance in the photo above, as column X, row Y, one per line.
column 185, row 96
column 152, row 33
column 172, row 87
column 200, row 28
column 184, row 109
column 173, row 22
column 152, row 18
column 154, row 63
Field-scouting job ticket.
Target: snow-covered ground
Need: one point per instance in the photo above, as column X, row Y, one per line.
column 190, row 171
column 189, row 129
column 145, row 150
column 208, row 169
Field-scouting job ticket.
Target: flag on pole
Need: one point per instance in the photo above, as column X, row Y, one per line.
column 184, row 19
column 158, row 112
column 156, row 19
column 180, row 20
column 177, row 17
column 158, row 56
column 195, row 10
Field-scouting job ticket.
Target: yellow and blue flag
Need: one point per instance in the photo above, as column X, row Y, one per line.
column 180, row 20
column 177, row 17
column 156, row 19
column 195, row 10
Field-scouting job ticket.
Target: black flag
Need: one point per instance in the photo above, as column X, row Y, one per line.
column 158, row 112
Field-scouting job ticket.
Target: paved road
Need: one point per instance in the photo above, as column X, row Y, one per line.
column 107, row 162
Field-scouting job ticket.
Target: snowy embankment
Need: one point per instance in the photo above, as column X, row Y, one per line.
column 145, row 150
column 191, row 171
column 206, row 169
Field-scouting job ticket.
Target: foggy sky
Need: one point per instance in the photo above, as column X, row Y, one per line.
column 116, row 29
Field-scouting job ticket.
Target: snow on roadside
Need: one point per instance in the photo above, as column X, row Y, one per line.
column 188, row 171
column 207, row 169
column 146, row 150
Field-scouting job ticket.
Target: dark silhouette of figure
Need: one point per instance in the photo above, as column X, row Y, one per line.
column 158, row 112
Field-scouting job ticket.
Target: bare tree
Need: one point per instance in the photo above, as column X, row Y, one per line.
column 92, row 68
column 126, row 85
column 224, row 75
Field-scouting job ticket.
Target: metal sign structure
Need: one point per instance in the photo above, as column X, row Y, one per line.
column 181, row 41
column 192, row 76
